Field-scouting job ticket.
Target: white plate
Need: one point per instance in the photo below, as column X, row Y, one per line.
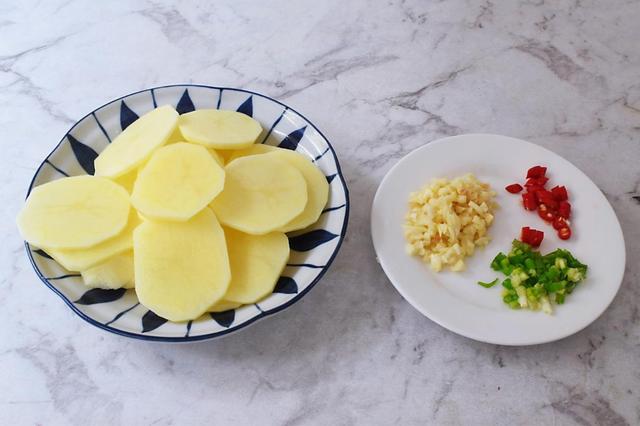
column 454, row 300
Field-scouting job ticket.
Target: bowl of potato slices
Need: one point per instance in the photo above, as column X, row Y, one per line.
column 185, row 212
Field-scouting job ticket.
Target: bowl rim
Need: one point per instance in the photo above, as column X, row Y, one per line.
column 262, row 314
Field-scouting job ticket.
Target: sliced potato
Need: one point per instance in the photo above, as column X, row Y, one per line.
column 136, row 143
column 317, row 185
column 216, row 156
column 258, row 148
column 223, row 305
column 116, row 272
column 262, row 193
column 74, row 212
column 181, row 268
column 256, row 264
column 83, row 259
column 178, row 181
column 127, row 180
column 219, row 129
column 176, row 136
column 317, row 189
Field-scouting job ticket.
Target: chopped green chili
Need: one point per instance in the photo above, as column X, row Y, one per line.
column 490, row 284
column 535, row 281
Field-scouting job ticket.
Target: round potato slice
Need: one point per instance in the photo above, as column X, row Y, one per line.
column 181, row 268
column 75, row 212
column 262, row 193
column 254, row 149
column 178, row 181
column 136, row 143
column 127, row 180
column 256, row 264
column 116, row 272
column 317, row 185
column 216, row 157
column 223, row 305
column 219, row 129
column 317, row 189
column 82, row 259
column 175, row 136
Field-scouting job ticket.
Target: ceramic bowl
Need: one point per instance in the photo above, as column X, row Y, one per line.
column 312, row 250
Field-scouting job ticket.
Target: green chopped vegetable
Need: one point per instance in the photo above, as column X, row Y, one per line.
column 537, row 281
column 490, row 284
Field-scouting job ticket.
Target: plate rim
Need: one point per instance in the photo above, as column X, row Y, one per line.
column 454, row 329
column 209, row 336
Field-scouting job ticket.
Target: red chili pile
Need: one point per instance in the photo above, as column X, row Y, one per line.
column 552, row 205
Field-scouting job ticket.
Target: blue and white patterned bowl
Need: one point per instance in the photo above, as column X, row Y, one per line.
column 312, row 250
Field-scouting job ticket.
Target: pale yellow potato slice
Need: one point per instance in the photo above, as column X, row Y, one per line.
column 223, row 305
column 256, row 264
column 219, row 129
column 181, row 268
column 141, row 216
column 317, row 185
column 176, row 136
column 136, row 143
column 82, row 259
column 216, row 156
column 317, row 189
column 74, row 212
column 258, row 148
column 262, row 193
column 116, row 272
column 127, row 180
column 177, row 182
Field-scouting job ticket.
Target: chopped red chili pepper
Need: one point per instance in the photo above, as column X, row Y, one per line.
column 564, row 233
column 546, row 214
column 551, row 205
column 529, row 201
column 541, row 181
column 536, row 172
column 535, row 188
column 560, row 222
column 560, row 193
column 564, row 209
column 545, row 197
column 531, row 236
column 514, row 188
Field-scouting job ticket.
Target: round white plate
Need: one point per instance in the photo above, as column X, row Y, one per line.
column 454, row 300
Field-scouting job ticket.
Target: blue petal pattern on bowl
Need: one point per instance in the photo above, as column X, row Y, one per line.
column 312, row 250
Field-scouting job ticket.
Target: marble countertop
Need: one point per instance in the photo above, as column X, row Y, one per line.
column 379, row 79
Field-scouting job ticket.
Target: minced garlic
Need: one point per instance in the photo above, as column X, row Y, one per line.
column 447, row 220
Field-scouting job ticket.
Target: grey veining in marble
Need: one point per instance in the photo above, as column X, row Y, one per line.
column 379, row 79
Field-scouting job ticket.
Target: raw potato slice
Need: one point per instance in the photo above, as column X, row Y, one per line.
column 82, row 259
column 181, row 268
column 317, row 189
column 114, row 273
column 219, row 129
column 176, row 136
column 256, row 264
column 136, row 143
column 317, row 185
column 262, row 193
column 127, row 180
column 216, row 157
column 223, row 305
column 74, row 212
column 254, row 149
column 178, row 181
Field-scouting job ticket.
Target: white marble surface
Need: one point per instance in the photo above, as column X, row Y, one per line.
column 379, row 79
